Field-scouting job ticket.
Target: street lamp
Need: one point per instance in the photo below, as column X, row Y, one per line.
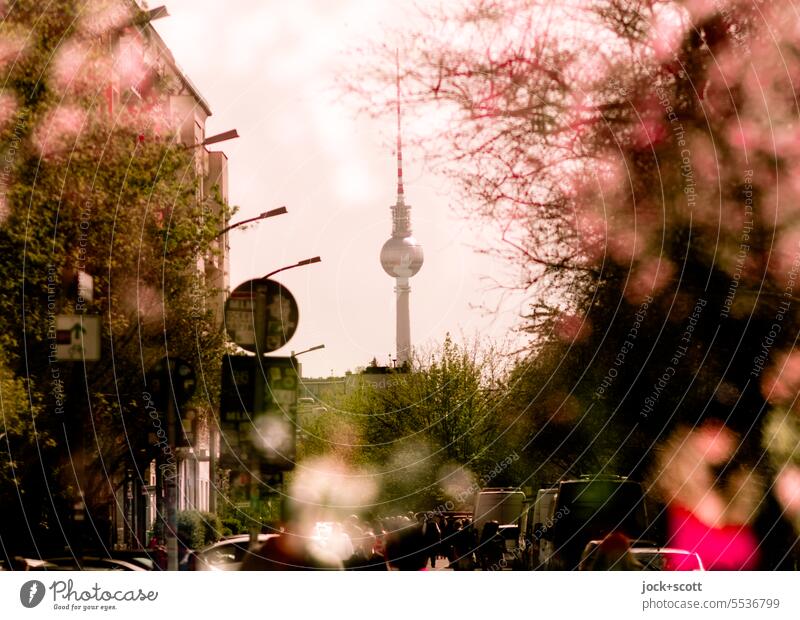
column 307, row 261
column 293, row 358
column 144, row 17
column 157, row 13
column 220, row 137
column 262, row 216
column 316, row 348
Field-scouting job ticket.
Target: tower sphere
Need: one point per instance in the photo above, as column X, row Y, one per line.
column 401, row 257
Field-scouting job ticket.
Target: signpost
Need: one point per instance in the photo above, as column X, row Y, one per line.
column 77, row 339
column 259, row 394
column 171, row 383
column 269, row 435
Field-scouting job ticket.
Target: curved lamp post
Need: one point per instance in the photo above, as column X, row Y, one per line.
column 307, row 261
column 316, row 348
column 262, row 216
column 219, row 137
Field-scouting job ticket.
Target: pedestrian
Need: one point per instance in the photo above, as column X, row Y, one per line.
column 432, row 537
column 464, row 546
column 612, row 553
column 406, row 549
column 370, row 558
column 490, row 549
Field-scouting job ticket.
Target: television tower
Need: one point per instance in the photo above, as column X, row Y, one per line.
column 401, row 255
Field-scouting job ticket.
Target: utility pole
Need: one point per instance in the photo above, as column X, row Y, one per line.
column 171, row 480
column 260, row 387
column 172, row 383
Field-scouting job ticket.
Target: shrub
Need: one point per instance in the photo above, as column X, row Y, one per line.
column 212, row 527
column 191, row 531
column 232, row 525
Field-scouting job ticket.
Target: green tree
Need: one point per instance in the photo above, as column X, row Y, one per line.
column 106, row 191
column 428, row 433
column 637, row 169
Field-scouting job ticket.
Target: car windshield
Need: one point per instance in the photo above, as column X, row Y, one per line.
column 667, row 561
column 90, row 564
column 226, row 554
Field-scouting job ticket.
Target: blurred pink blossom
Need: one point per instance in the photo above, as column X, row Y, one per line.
column 649, row 132
column 591, row 230
column 58, row 129
column 572, row 328
column 714, row 442
column 745, row 134
column 561, row 408
column 8, row 108
column 787, row 489
column 707, row 514
column 626, row 244
column 668, row 29
column 101, row 16
column 781, row 382
column 12, row 47
column 648, row 278
column 699, row 9
column 77, row 69
column 130, row 67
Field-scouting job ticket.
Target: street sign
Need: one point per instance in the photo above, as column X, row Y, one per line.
column 238, row 385
column 171, row 377
column 280, row 319
column 268, row 435
column 77, row 337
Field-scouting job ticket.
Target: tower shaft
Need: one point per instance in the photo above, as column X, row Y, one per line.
column 402, row 291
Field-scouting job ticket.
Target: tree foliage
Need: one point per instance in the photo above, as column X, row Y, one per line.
column 103, row 189
column 635, row 159
column 426, row 434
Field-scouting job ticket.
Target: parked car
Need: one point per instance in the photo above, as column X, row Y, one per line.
column 75, row 563
column 92, row 559
column 142, row 558
column 667, row 559
column 23, row 564
column 226, row 554
column 648, row 557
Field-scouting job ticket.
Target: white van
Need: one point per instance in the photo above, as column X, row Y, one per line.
column 501, row 504
column 538, row 546
column 506, row 506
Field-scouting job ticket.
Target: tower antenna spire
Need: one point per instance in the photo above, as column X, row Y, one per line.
column 400, row 192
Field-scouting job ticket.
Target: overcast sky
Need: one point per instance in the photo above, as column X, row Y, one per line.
column 266, row 68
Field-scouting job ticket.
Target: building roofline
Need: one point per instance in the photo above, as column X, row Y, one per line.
column 167, row 53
